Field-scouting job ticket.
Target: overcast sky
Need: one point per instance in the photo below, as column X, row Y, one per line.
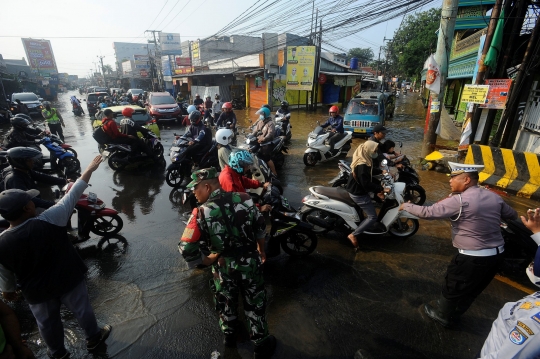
column 98, row 23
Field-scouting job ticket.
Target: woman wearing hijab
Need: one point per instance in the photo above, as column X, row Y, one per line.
column 361, row 183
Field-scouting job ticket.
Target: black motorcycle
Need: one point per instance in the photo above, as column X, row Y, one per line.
column 121, row 155
column 278, row 151
column 519, row 247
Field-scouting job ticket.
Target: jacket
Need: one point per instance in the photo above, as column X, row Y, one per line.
column 25, row 181
column 335, row 123
column 129, row 127
column 363, row 184
column 267, row 129
column 200, row 133
column 231, row 181
column 111, row 128
column 226, row 117
column 21, row 138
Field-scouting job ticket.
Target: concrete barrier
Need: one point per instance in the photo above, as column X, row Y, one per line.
column 515, row 172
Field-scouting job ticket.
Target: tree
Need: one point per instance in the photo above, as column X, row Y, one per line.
column 413, row 42
column 363, row 55
column 108, row 69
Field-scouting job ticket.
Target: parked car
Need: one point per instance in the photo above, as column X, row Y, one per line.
column 92, row 101
column 162, row 106
column 365, row 111
column 30, row 99
column 140, row 117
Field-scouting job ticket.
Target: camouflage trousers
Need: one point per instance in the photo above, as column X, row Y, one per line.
column 232, row 278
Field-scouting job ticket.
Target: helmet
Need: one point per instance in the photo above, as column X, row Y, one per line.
column 334, row 109
column 224, row 136
column 195, row 117
column 20, row 122
column 191, row 108
column 128, row 112
column 264, row 111
column 17, row 157
column 284, row 104
column 267, row 106
column 197, row 95
column 22, row 115
column 239, row 159
column 226, row 105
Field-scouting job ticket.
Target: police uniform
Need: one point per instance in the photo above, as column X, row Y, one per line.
column 515, row 334
column 475, row 214
column 229, row 224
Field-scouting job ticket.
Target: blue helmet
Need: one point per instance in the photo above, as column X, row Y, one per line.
column 191, row 108
column 265, row 112
column 239, row 159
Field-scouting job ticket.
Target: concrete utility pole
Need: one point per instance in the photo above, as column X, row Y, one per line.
column 444, row 45
column 103, row 71
column 482, row 69
column 157, row 54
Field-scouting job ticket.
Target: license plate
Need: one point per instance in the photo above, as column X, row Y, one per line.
column 175, row 149
column 359, row 130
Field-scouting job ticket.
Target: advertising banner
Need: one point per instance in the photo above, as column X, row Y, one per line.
column 497, row 94
column 166, row 66
column 300, row 67
column 40, row 56
column 141, row 62
column 475, row 94
column 170, row 43
column 195, row 53
column 183, row 70
column 182, row 61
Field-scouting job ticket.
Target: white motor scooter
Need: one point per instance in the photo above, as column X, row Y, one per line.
column 333, row 209
column 319, row 151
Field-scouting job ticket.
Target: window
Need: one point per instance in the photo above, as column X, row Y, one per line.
column 258, row 81
column 25, row 97
column 162, row 100
column 363, row 107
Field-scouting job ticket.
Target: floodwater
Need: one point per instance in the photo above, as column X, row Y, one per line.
column 328, row 305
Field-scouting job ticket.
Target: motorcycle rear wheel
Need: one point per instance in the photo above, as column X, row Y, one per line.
column 299, row 243
column 416, row 194
column 70, row 164
column 310, row 159
column 174, row 178
column 117, row 161
column 158, row 149
column 107, row 225
column 409, row 226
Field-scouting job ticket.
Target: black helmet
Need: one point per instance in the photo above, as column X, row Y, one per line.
column 284, row 105
column 17, row 157
column 267, row 106
column 19, row 122
column 194, row 117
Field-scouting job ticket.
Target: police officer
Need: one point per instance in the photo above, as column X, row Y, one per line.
column 54, row 119
column 230, row 231
column 475, row 214
column 514, row 333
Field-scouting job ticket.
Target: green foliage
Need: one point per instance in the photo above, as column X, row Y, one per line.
column 108, row 69
column 413, row 42
column 363, row 55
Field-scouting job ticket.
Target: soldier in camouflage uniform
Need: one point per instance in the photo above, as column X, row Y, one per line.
column 230, row 232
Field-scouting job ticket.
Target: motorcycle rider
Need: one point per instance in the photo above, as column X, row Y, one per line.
column 110, row 127
column 185, row 120
column 21, row 135
column 22, row 176
column 198, row 100
column 233, row 177
column 21, row 107
column 227, row 115
column 284, row 111
column 101, row 102
column 265, row 130
column 75, row 102
column 130, row 128
column 201, row 141
column 54, row 119
column 216, row 107
column 208, row 105
column 335, row 121
column 224, row 138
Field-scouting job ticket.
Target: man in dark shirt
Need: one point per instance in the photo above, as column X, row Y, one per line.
column 335, row 121
column 21, row 134
column 57, row 273
column 198, row 101
column 379, row 133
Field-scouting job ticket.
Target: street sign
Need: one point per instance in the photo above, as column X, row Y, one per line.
column 475, row 94
column 143, row 73
column 497, row 94
column 322, row 79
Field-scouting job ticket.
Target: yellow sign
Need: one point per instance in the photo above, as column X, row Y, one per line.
column 475, row 94
column 300, row 67
column 195, row 50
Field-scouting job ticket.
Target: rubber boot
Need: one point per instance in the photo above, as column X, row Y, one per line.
column 443, row 313
column 265, row 349
column 230, row 339
column 461, row 307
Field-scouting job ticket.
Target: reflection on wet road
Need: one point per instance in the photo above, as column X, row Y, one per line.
column 328, row 305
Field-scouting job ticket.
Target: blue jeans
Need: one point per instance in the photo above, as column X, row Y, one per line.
column 49, row 322
column 364, row 202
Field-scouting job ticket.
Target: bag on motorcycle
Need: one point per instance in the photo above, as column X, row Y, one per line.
column 100, row 136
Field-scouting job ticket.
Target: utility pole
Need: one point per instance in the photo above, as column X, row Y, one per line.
column 317, row 67
column 157, row 53
column 444, row 44
column 317, row 61
column 103, row 70
column 482, row 69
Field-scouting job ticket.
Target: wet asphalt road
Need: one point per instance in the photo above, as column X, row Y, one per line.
column 328, row 305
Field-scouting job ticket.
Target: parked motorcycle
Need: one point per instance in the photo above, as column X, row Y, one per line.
column 121, row 155
column 94, row 216
column 319, row 151
column 283, row 126
column 330, row 208
column 408, row 175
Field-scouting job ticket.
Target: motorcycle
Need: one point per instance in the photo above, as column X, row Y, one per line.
column 319, row 151
column 413, row 191
column 77, row 109
column 121, row 155
column 228, row 125
column 283, row 126
column 519, row 247
column 329, row 208
column 174, row 175
column 238, row 103
column 277, row 156
column 59, row 156
column 94, row 216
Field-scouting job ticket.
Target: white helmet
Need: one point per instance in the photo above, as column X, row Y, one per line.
column 224, row 136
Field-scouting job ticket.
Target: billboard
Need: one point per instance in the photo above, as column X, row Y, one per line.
column 497, row 94
column 40, row 56
column 300, row 67
column 182, row 61
column 475, row 94
column 166, row 66
column 141, row 62
column 170, row 43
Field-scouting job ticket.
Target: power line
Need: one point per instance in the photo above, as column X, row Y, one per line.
column 149, row 26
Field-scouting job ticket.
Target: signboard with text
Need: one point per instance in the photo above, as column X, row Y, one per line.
column 182, row 61
column 183, row 70
column 497, row 94
column 40, row 56
column 300, row 67
column 475, row 94
column 170, row 43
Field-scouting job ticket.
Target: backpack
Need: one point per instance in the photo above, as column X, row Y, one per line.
column 100, row 136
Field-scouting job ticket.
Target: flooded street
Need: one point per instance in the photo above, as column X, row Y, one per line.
column 328, row 305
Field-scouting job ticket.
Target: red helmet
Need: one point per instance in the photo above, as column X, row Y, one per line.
column 227, row 105
column 334, row 109
column 128, row 112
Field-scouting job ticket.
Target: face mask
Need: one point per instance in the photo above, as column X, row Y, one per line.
column 374, row 155
column 534, row 279
column 261, row 117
